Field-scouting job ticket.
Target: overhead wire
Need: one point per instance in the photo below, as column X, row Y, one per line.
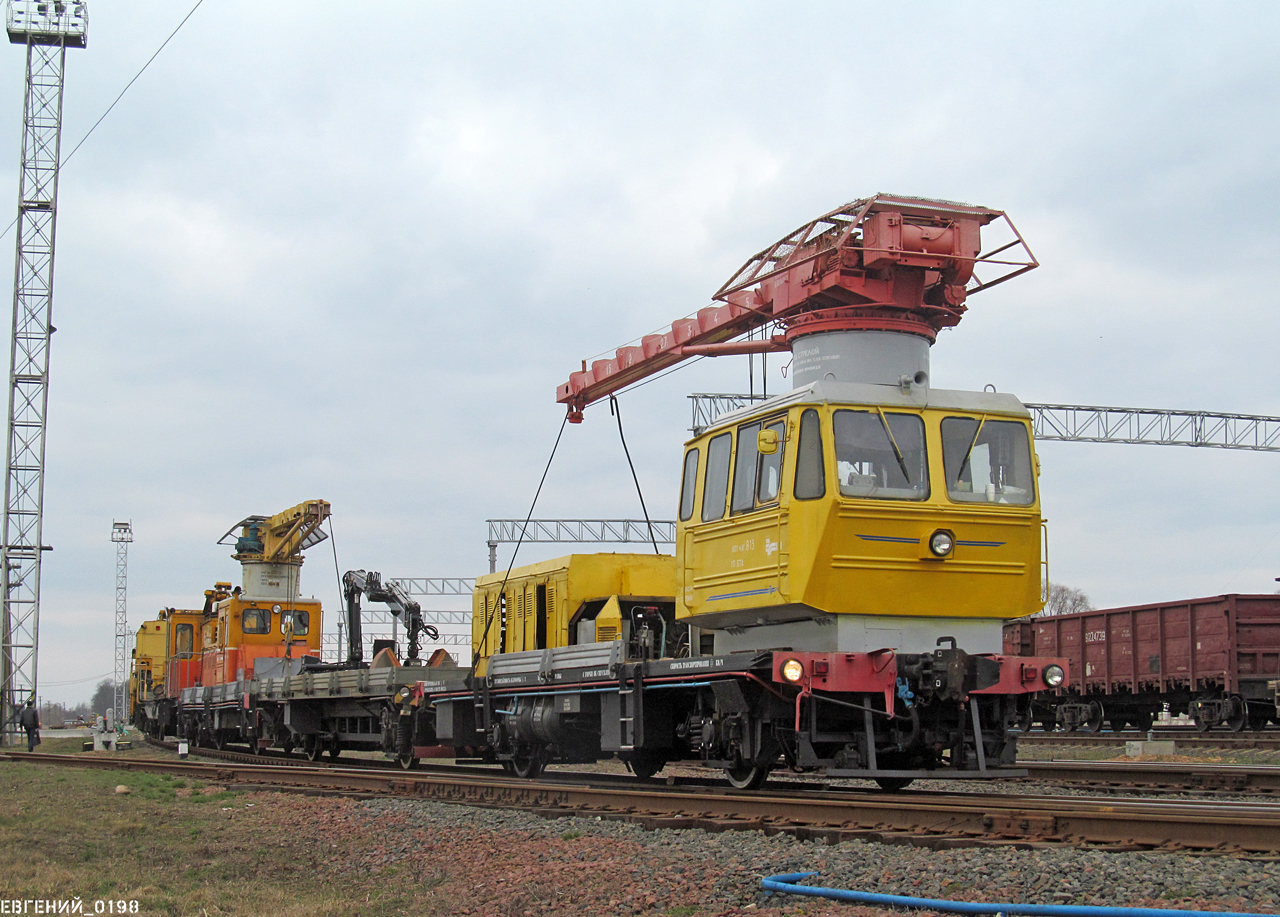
column 76, row 681
column 65, row 159
column 102, row 118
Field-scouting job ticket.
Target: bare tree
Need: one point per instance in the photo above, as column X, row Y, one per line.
column 103, row 696
column 1064, row 600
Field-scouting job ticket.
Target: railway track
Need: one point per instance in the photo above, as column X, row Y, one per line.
column 1188, row 738
column 1215, row 778
column 926, row 818
column 1098, row 775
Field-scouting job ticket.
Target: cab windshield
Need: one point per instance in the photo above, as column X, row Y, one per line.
column 987, row 461
column 881, row 456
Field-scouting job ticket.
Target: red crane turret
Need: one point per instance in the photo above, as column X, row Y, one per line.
column 887, row 264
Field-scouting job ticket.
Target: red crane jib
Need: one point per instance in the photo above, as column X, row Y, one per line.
column 883, row 263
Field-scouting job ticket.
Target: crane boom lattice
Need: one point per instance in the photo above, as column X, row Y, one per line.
column 47, row 30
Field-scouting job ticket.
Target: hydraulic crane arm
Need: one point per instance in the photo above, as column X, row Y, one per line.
column 357, row 583
column 883, row 263
column 282, row 537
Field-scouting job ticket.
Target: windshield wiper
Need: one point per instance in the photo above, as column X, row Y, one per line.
column 897, row 453
column 973, row 442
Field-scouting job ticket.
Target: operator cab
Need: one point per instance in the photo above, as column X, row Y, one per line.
column 835, row 517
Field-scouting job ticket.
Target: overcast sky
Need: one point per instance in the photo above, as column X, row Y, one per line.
column 347, row 251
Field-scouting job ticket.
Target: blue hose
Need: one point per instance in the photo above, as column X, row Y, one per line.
column 787, row 884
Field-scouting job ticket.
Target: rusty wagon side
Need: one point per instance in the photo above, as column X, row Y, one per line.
column 1208, row 657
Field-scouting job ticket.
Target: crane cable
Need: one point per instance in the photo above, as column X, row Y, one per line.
column 475, row 657
column 342, row 593
column 616, row 410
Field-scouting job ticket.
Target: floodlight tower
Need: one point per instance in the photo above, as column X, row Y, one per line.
column 122, row 535
column 47, row 29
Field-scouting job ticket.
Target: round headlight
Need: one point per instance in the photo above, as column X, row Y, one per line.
column 1054, row 676
column 276, row 609
column 793, row 670
column 941, row 543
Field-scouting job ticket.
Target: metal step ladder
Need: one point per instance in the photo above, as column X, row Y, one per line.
column 630, row 705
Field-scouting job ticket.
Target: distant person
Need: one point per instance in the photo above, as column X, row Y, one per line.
column 30, row 720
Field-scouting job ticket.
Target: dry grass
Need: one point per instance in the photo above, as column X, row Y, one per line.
column 175, row 847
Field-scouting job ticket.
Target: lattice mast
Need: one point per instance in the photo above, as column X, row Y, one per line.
column 47, row 29
column 122, row 535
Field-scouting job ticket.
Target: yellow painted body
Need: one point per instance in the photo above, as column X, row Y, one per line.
column 848, row 555
column 543, row 600
column 166, row 656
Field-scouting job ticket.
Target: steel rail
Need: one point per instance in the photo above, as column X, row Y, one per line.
column 1168, row 775
column 1213, row 778
column 927, row 818
column 1165, row 775
column 1227, row 740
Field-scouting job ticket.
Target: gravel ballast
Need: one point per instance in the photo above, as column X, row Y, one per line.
column 489, row 861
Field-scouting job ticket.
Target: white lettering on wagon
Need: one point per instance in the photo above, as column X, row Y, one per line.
column 1095, row 636
column 693, row 664
column 597, row 673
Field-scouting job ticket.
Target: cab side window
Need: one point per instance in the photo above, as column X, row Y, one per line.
column 744, row 471
column 687, row 484
column 757, row 477
column 255, row 621
column 183, row 639
column 301, row 622
column 771, row 468
column 811, row 473
column 716, row 487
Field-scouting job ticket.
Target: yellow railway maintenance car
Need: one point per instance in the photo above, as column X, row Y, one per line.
column 580, row 599
column 847, row 551
column 246, row 668
column 166, row 659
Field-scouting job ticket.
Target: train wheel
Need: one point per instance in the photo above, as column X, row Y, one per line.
column 1238, row 718
column 256, row 746
column 528, row 763
column 1024, row 722
column 407, row 761
column 507, row 766
column 220, row 740
column 1118, row 724
column 747, row 776
column 314, row 748
column 1093, row 723
column 1142, row 721
column 893, row 784
column 645, row 762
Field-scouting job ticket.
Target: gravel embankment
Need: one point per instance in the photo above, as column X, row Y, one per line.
column 513, row 863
